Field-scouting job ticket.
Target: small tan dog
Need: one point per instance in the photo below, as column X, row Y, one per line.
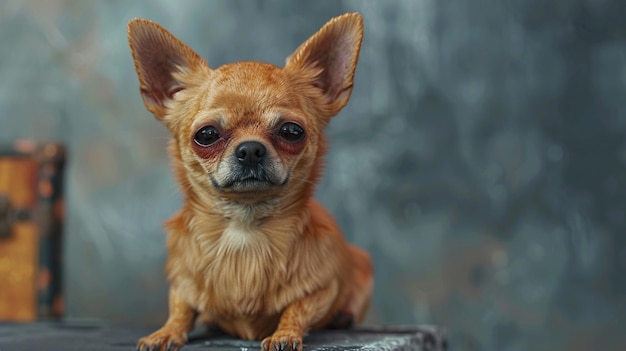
column 250, row 250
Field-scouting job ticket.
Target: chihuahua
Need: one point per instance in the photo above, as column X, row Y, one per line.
column 250, row 250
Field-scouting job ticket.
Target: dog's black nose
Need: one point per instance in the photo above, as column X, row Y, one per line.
column 250, row 152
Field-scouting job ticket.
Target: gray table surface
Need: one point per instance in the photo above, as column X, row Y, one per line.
column 98, row 336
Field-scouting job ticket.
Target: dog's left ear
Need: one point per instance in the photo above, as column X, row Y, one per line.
column 332, row 54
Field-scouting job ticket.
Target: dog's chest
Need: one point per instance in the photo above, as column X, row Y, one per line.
column 240, row 235
column 240, row 272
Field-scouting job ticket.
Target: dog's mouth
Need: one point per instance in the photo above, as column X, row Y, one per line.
column 250, row 180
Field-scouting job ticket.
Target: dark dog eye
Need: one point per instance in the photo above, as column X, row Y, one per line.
column 291, row 132
column 206, row 136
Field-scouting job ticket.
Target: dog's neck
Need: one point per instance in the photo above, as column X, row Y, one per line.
column 245, row 213
column 243, row 226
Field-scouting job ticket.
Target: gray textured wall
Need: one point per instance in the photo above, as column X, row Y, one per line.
column 482, row 159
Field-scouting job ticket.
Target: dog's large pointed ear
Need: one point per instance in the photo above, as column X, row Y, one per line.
column 332, row 54
column 160, row 60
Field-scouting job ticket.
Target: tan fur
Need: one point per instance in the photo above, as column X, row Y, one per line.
column 265, row 263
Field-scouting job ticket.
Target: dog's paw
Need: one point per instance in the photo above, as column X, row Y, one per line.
column 282, row 341
column 164, row 339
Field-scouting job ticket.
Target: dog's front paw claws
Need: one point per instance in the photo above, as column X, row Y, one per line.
column 163, row 339
column 282, row 342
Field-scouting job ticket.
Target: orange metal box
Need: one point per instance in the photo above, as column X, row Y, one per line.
column 31, row 219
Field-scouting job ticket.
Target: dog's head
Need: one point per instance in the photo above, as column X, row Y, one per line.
column 247, row 130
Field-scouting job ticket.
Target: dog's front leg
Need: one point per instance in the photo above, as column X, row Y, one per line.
column 298, row 317
column 173, row 334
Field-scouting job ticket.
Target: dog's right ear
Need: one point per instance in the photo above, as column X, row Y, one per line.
column 161, row 61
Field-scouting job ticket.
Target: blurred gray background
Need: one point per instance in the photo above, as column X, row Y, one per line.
column 481, row 160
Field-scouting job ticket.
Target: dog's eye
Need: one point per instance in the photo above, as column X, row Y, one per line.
column 206, row 136
column 291, row 132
